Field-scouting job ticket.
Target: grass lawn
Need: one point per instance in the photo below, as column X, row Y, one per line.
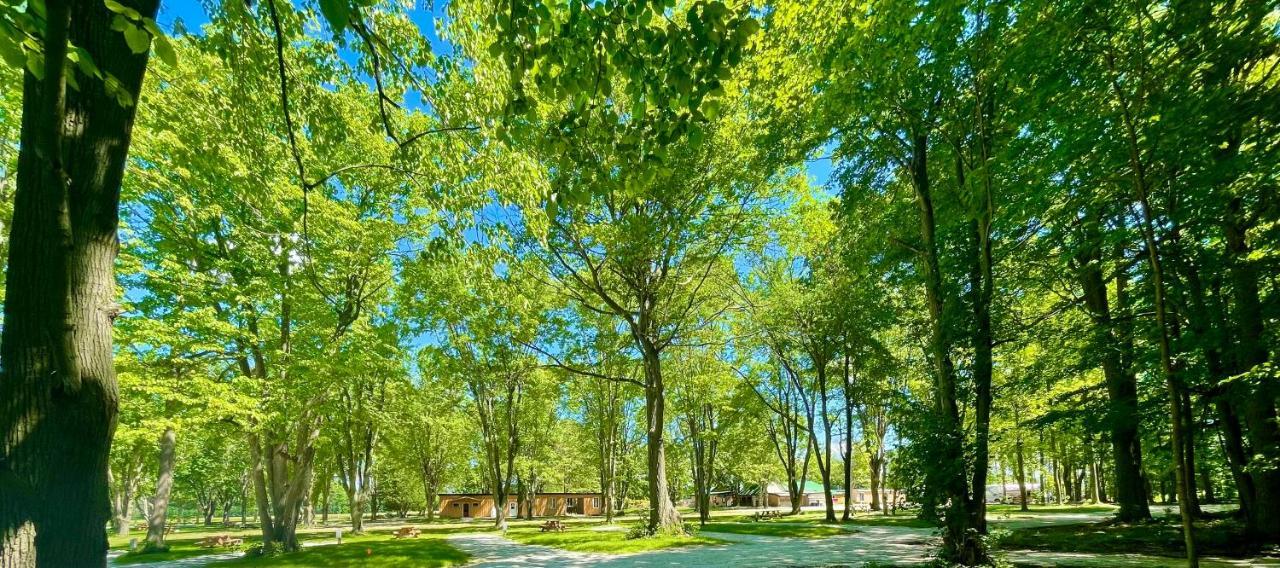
column 430, row 549
column 777, row 528
column 902, row 519
column 1162, row 537
column 367, row 550
column 603, row 541
column 995, row 510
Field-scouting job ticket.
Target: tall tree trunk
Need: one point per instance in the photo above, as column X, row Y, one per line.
column 983, row 344
column 960, row 537
column 1206, row 481
column 824, row 456
column 1189, row 453
column 1257, row 398
column 663, row 516
column 1022, row 473
column 1122, row 385
column 1233, row 448
column 324, row 511
column 1092, row 469
column 1183, row 478
column 164, row 485
column 848, row 445
column 58, row 392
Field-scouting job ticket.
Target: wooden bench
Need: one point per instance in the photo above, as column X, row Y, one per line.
column 766, row 515
column 405, row 532
column 221, row 540
column 552, row 525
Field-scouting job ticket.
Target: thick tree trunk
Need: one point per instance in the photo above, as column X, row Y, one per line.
column 1256, row 400
column 58, row 393
column 1206, row 481
column 1122, row 386
column 164, row 486
column 877, row 474
column 122, row 496
column 356, row 502
column 1233, row 448
column 663, row 516
column 982, row 282
column 260, row 493
column 1189, row 453
column 1022, row 474
column 324, row 503
column 961, row 542
column 429, row 499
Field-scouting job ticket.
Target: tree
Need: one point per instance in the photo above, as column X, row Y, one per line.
column 58, row 384
column 636, row 206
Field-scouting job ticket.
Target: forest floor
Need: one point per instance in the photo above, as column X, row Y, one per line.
column 1045, row 536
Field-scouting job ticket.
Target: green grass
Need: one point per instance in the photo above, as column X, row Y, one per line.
column 389, row 551
column 777, row 528
column 175, row 552
column 1217, row 537
column 605, row 542
column 995, row 510
column 370, row 550
column 902, row 519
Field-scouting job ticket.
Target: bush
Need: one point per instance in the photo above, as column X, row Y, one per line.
column 642, row 531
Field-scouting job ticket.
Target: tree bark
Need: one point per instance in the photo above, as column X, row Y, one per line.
column 663, row 516
column 1183, row 478
column 1122, row 385
column 164, row 485
column 1257, row 398
column 847, row 515
column 58, row 392
column 1022, row 472
column 960, row 536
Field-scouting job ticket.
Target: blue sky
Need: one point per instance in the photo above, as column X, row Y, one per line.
column 193, row 15
column 424, row 14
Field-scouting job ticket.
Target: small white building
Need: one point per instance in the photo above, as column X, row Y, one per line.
column 1009, row 492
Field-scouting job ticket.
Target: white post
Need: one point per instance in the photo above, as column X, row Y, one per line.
column 338, row 533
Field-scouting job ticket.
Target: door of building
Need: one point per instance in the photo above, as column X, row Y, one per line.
column 466, row 510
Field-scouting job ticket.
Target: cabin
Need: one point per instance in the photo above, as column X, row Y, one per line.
column 1010, row 492
column 812, row 496
column 481, row 506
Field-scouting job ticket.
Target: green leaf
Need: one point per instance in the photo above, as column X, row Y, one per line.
column 35, row 64
column 11, row 53
column 164, row 50
column 337, row 12
column 137, row 38
column 86, row 63
column 122, row 9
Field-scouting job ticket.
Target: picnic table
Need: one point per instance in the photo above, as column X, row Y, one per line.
column 405, row 532
column 552, row 525
column 768, row 514
column 220, row 540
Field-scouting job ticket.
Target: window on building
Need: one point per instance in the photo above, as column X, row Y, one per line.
column 595, row 502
